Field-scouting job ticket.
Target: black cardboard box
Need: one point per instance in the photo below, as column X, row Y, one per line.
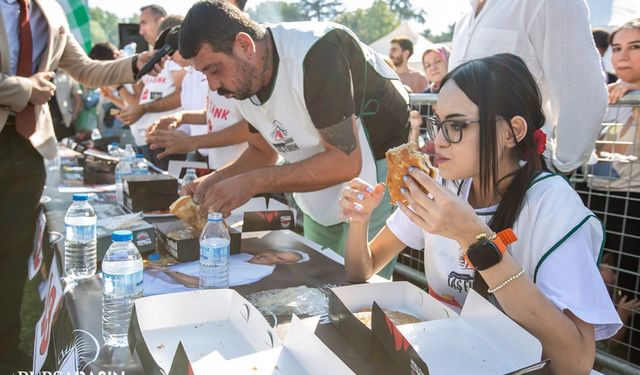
column 99, row 168
column 153, row 192
column 149, row 203
column 187, row 249
column 150, row 185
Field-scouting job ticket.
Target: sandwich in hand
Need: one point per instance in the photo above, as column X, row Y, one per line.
column 186, row 210
column 399, row 159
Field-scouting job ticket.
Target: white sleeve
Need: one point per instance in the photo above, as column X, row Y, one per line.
column 561, row 36
column 402, row 227
column 570, row 279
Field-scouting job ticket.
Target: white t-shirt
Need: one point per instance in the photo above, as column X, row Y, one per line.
column 553, row 37
column 221, row 113
column 154, row 88
column 193, row 97
column 564, row 269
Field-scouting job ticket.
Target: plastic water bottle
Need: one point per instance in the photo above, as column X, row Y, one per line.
column 214, row 253
column 95, row 134
column 80, row 239
column 129, row 153
column 114, row 149
column 123, row 169
column 129, row 49
column 122, row 283
column 189, row 177
column 140, row 166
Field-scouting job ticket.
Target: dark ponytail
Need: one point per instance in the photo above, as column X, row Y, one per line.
column 502, row 87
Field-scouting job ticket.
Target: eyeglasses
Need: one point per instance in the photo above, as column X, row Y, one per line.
column 451, row 129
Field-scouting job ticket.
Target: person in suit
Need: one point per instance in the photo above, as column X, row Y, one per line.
column 34, row 41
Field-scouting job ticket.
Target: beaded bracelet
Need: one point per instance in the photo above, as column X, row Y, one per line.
column 507, row 281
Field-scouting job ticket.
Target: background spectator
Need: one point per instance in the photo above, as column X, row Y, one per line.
column 151, row 16
column 601, row 39
column 399, row 53
column 614, row 181
column 554, row 39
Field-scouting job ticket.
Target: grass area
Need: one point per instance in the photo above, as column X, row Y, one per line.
column 30, row 313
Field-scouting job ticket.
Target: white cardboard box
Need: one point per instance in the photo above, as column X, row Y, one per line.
column 204, row 321
column 481, row 340
column 302, row 354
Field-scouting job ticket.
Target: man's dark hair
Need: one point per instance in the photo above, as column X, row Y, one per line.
column 405, row 43
column 241, row 4
column 215, row 22
column 102, row 51
column 169, row 22
column 601, row 38
column 156, row 10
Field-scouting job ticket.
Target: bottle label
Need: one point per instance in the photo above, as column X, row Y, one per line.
column 80, row 233
column 214, row 255
column 121, row 286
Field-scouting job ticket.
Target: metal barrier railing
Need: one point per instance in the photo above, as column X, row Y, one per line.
column 607, row 188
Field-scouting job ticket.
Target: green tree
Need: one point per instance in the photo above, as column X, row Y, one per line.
column 277, row 11
column 104, row 26
column 370, row 24
column 321, row 10
column 445, row 36
column 405, row 10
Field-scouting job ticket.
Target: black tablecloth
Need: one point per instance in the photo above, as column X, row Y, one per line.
column 81, row 314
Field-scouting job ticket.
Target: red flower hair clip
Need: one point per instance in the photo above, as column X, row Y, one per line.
column 541, row 141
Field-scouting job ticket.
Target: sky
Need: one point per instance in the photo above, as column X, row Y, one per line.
column 440, row 13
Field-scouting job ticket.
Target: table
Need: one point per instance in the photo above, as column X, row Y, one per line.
column 77, row 325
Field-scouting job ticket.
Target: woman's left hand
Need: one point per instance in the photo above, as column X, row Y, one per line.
column 442, row 213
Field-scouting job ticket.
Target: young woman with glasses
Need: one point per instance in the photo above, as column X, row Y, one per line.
column 495, row 220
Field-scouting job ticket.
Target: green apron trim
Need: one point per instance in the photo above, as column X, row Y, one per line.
column 557, row 244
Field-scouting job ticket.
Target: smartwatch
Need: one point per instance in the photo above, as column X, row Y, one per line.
column 487, row 252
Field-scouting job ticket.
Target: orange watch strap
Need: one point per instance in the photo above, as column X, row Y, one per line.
column 504, row 238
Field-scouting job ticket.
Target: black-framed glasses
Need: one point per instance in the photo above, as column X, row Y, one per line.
column 451, row 129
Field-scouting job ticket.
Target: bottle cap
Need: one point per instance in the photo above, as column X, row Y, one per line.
column 141, row 156
column 79, row 197
column 214, row 216
column 153, row 256
column 122, row 235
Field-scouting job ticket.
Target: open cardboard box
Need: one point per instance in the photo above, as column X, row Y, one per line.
column 481, row 340
column 301, row 354
column 203, row 321
column 399, row 296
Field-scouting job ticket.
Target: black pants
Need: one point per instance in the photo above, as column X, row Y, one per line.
column 22, row 178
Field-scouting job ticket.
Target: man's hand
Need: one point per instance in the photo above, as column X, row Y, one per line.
column 131, row 114
column 146, row 56
column 172, row 121
column 173, row 142
column 42, row 89
column 225, row 195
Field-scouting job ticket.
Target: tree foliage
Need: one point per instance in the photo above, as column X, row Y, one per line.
column 104, row 26
column 370, row 24
column 446, row 36
column 277, row 11
column 405, row 10
column 321, row 10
